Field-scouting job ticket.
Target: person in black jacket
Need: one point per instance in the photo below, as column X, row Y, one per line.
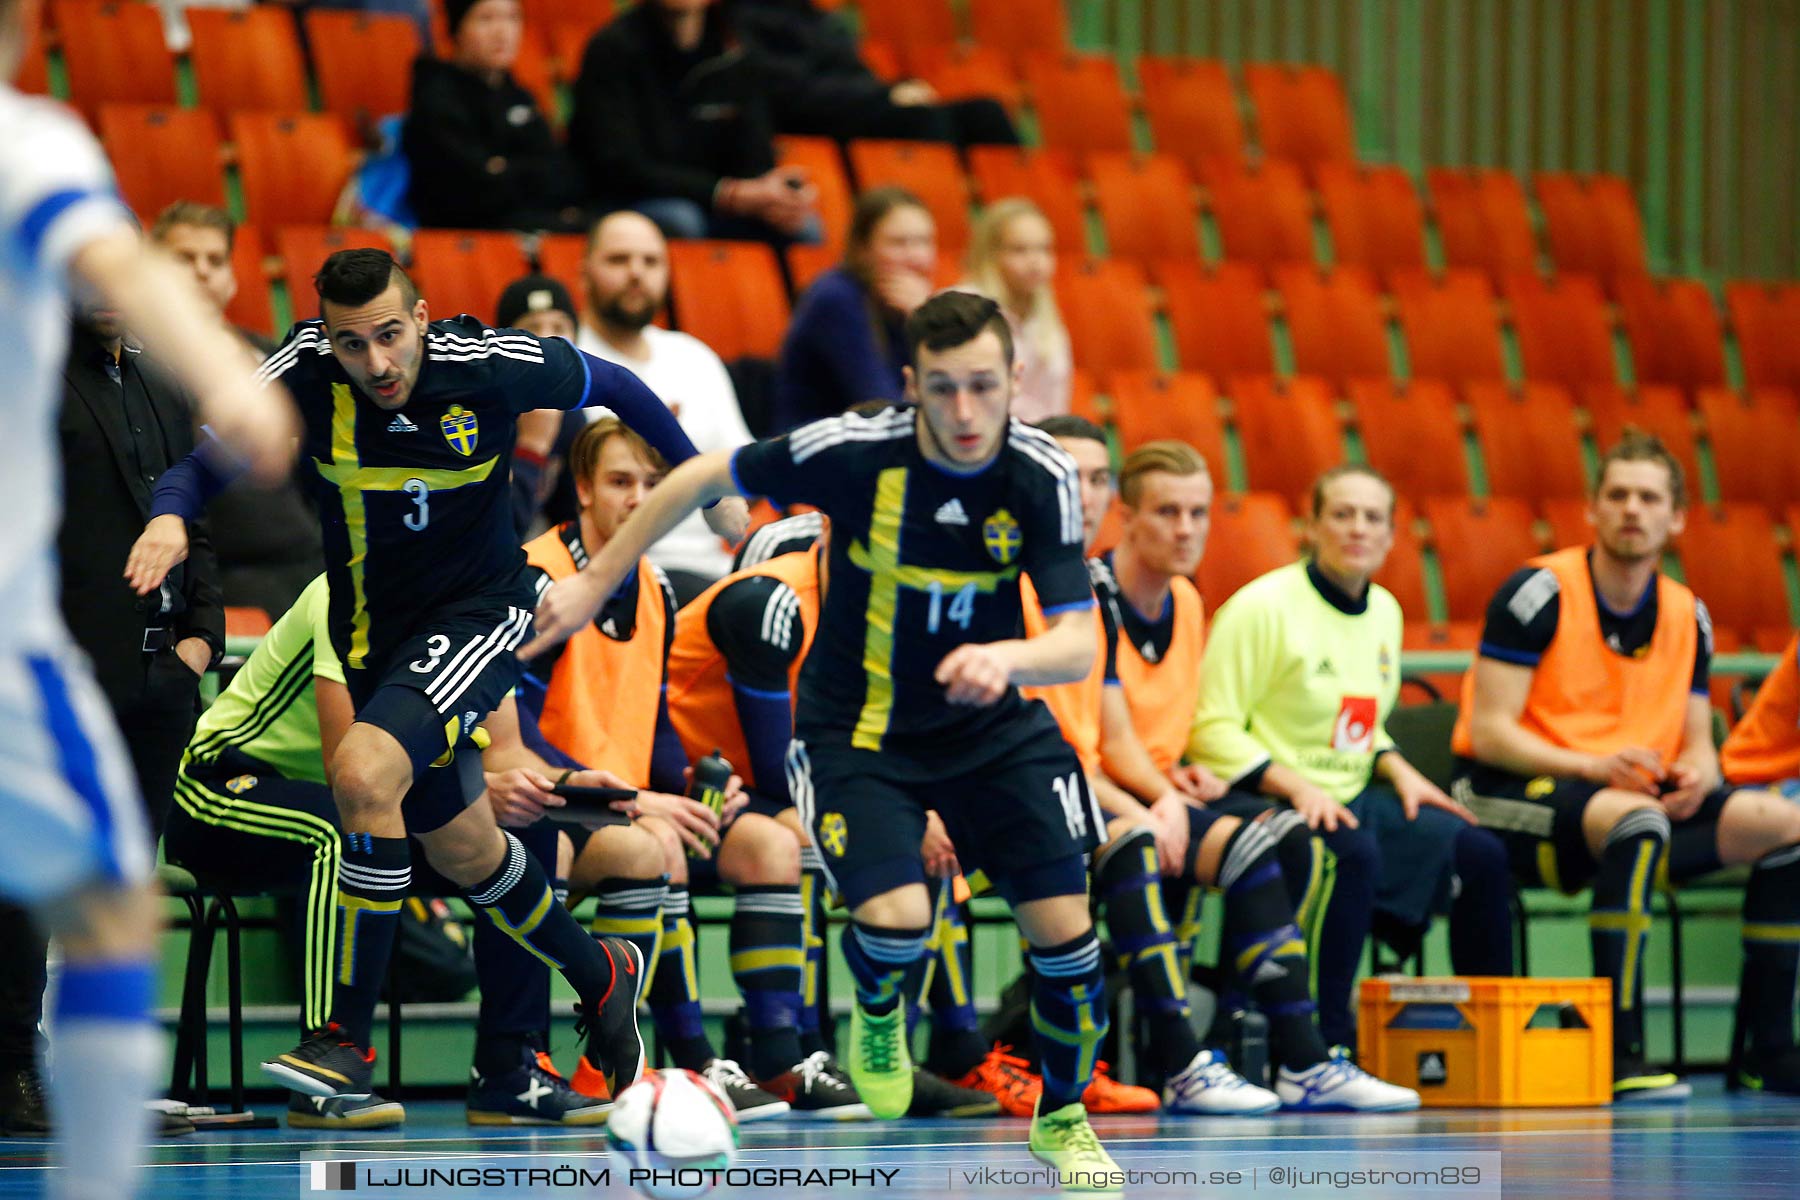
column 482, row 154
column 672, row 117
column 819, row 85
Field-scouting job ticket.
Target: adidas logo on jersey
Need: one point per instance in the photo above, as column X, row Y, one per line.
column 401, row 425
column 1325, row 668
column 950, row 512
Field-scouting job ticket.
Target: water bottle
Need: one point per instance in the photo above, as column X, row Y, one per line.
column 711, row 775
column 1250, row 1045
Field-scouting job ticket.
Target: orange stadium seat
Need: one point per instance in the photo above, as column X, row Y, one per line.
column 1674, row 330
column 1767, row 319
column 882, row 58
column 1252, row 534
column 1592, row 224
column 1048, row 178
column 908, row 23
column 823, row 163
column 930, row 171
column 1441, row 635
column 1374, row 215
column 34, row 68
column 1403, row 573
column 1263, row 213
column 1562, row 329
column 1755, row 438
column 1146, row 207
column 536, row 73
column 1192, row 109
column 1079, row 101
column 1109, row 302
column 1451, row 325
column 961, row 72
column 292, row 165
column 1730, row 558
column 162, row 154
column 465, row 270
column 1083, row 400
column 251, row 308
column 1479, row 543
column 1288, row 429
column 1334, row 322
column 1567, row 518
column 1656, row 408
column 303, row 249
column 560, row 256
column 113, row 52
column 1148, row 405
column 1411, row 434
column 1483, row 220
column 568, row 44
column 587, row 15
column 248, row 59
column 1530, row 439
column 1220, row 321
column 353, row 55
column 1301, row 113
column 729, row 295
column 807, row 263
column 1020, row 26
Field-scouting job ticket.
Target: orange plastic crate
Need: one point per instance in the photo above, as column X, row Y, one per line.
column 1471, row 1042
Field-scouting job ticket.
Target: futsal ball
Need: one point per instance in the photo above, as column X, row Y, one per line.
column 674, row 1130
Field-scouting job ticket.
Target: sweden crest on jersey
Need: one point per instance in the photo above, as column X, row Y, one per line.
column 1002, row 537
column 460, row 429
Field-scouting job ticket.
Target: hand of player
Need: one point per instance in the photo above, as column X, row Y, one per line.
column 163, row 543
column 911, row 93
column 519, row 797
column 1320, row 810
column 1169, row 821
column 1686, row 793
column 566, row 605
column 936, row 848
column 735, row 796
column 1198, row 783
column 1633, row 769
column 1416, row 791
column 694, row 823
column 729, row 518
column 973, row 674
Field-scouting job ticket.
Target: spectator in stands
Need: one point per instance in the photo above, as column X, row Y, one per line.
column 266, row 538
column 672, row 118
column 847, row 342
column 1586, row 740
column 1301, row 669
column 482, row 154
column 1012, row 258
column 1764, row 747
column 820, row 85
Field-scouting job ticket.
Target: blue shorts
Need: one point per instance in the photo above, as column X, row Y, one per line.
column 70, row 814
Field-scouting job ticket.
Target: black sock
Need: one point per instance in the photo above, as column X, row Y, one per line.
column 498, row 1053
column 1619, row 923
column 1068, row 1014
column 768, row 960
column 1263, row 948
column 1772, row 950
column 1481, row 914
column 373, row 877
column 675, row 991
column 1129, row 882
column 879, row 959
column 632, row 909
column 1345, row 901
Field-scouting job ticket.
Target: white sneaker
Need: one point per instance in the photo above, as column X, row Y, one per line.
column 1209, row 1086
column 1339, row 1085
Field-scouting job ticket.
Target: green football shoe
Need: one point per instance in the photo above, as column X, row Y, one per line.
column 1063, row 1139
column 880, row 1064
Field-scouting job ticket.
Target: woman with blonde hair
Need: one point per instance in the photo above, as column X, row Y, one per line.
column 1012, row 257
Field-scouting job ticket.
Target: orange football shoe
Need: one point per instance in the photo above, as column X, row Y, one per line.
column 1107, row 1095
column 1009, row 1079
column 589, row 1080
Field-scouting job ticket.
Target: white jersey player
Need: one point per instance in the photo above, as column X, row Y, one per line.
column 74, row 844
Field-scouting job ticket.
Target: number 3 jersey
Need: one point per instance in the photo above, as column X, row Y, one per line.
column 923, row 560
column 415, row 502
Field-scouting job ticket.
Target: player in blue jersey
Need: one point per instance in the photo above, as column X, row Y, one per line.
column 909, row 697
column 409, row 427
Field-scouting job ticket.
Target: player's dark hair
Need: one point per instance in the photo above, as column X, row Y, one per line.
column 1067, row 425
column 352, row 277
column 951, row 319
column 1638, row 446
column 1333, row 474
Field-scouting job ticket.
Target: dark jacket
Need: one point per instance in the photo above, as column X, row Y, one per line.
column 652, row 121
column 106, row 501
column 457, row 122
column 810, row 60
column 841, row 349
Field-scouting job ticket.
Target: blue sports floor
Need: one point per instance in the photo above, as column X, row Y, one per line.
column 1716, row 1145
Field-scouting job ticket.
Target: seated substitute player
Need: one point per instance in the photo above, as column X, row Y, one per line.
column 1764, row 747
column 1300, row 672
column 253, row 805
column 405, row 422
column 909, row 697
column 1586, row 740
